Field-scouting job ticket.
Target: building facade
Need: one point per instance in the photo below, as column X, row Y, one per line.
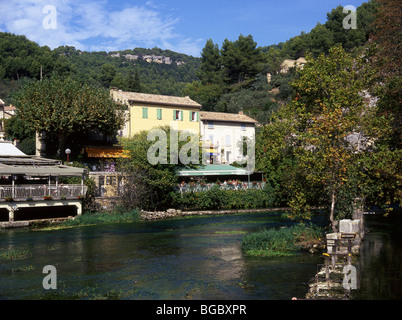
column 224, row 133
column 148, row 111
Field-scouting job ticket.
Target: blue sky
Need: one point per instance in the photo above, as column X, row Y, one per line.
column 179, row 25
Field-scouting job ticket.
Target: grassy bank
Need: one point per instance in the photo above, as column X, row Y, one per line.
column 93, row 218
column 281, row 242
column 114, row 216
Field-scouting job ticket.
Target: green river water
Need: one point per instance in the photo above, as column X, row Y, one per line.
column 184, row 258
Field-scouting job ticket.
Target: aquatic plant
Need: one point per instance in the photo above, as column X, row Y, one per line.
column 281, row 242
column 11, row 255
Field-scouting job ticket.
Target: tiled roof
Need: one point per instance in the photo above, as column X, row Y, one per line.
column 229, row 117
column 159, row 99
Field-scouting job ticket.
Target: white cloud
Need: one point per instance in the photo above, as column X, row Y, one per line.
column 90, row 25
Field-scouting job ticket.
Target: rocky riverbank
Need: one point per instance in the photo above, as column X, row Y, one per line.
column 173, row 213
column 337, row 275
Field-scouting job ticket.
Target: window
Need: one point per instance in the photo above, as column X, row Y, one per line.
column 159, row 114
column 210, row 125
column 193, row 116
column 177, row 115
column 145, row 113
column 243, row 126
column 228, row 140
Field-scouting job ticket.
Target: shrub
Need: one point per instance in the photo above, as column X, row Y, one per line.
column 215, row 199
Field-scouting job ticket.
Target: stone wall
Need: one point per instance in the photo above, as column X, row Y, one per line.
column 173, row 213
column 328, row 283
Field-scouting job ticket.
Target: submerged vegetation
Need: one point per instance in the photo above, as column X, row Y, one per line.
column 12, row 255
column 281, row 242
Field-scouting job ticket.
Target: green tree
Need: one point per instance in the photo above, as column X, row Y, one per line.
column 63, row 107
column 150, row 185
column 205, row 94
column 16, row 128
column 241, row 60
column 211, row 65
column 298, row 46
column 321, row 39
column 134, row 82
column 387, row 59
column 108, row 71
column 331, row 133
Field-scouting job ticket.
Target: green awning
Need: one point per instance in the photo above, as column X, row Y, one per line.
column 212, row 170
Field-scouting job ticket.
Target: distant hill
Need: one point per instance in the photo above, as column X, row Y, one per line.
column 146, row 70
column 157, row 71
column 170, row 73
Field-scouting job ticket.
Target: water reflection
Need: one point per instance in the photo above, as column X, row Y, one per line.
column 191, row 258
column 380, row 263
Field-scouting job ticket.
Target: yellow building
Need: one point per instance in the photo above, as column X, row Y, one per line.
column 147, row 111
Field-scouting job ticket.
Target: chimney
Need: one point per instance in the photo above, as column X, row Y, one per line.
column 241, row 112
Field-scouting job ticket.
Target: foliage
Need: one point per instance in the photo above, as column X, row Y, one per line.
column 12, row 255
column 238, row 67
column 101, row 68
column 327, row 133
column 150, row 186
column 272, row 243
column 210, row 70
column 240, row 60
column 16, row 128
column 386, row 58
column 216, row 198
column 63, row 107
column 96, row 218
column 23, row 58
column 233, row 78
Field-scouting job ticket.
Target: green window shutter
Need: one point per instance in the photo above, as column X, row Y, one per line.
column 145, row 113
column 159, row 114
column 191, row 116
column 174, row 114
column 198, row 116
column 181, row 115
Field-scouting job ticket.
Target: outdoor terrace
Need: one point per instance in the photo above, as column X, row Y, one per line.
column 35, row 192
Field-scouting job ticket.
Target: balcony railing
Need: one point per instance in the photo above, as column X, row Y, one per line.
column 41, row 192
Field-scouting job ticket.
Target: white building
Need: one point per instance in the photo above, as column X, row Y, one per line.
column 224, row 132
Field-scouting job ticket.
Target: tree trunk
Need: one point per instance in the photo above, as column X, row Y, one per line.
column 332, row 212
column 61, row 145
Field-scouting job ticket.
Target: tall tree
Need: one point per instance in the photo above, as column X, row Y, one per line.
column 387, row 59
column 211, row 66
column 153, row 181
column 63, row 107
column 331, row 132
column 241, row 59
column 108, row 71
column 134, row 82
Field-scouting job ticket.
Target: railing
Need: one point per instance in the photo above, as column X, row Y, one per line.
column 198, row 187
column 42, row 191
